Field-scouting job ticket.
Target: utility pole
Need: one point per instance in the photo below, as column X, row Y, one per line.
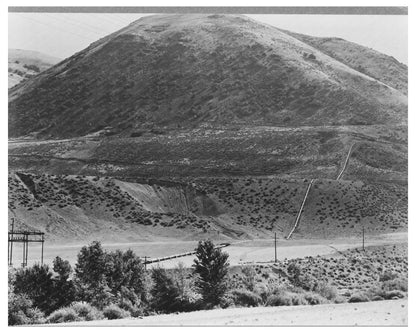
column 363, row 238
column 11, row 245
column 275, row 247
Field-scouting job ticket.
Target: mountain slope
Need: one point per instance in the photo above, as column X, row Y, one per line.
column 186, row 70
column 363, row 59
column 24, row 64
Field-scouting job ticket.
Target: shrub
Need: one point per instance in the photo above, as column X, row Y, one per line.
column 249, row 277
column 282, row 298
column 114, row 312
column 358, row 297
column 21, row 311
column 243, row 297
column 339, row 300
column 392, row 294
column 314, row 299
column 395, row 284
column 86, row 311
column 326, row 290
column 388, row 275
column 211, row 266
column 63, row 315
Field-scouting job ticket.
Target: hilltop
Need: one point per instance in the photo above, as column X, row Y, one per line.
column 171, row 71
column 24, row 64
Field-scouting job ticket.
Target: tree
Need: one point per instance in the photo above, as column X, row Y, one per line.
column 125, row 269
column 64, row 288
column 90, row 275
column 211, row 266
column 36, row 282
column 165, row 294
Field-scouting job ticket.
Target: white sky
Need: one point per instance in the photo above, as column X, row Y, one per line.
column 62, row 35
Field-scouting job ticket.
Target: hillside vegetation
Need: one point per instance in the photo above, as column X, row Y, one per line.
column 186, row 70
column 86, row 206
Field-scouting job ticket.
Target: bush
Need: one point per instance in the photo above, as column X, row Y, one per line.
column 243, row 297
column 388, row 275
column 86, row 311
column 392, row 294
column 358, row 297
column 63, row 315
column 21, row 311
column 249, row 277
column 395, row 284
column 285, row 298
column 314, row 299
column 326, row 290
column 114, row 312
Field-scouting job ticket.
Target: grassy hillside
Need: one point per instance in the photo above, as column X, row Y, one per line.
column 379, row 66
column 24, row 64
column 173, row 71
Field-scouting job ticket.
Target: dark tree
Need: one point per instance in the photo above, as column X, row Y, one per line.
column 36, row 282
column 165, row 294
column 64, row 288
column 125, row 269
column 211, row 265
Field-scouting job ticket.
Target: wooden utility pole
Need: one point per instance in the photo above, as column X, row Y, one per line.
column 11, row 245
column 275, row 247
column 363, row 238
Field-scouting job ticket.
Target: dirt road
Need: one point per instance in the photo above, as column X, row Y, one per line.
column 382, row 313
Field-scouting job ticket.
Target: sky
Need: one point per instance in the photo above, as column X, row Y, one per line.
column 63, row 34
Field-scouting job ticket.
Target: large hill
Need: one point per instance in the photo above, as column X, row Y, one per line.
column 24, row 64
column 187, row 70
column 194, row 126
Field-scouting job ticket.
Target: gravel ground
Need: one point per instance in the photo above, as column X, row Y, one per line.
column 382, row 313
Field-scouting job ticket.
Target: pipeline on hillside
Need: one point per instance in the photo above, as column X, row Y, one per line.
column 300, row 210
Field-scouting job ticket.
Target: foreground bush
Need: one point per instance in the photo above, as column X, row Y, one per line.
column 395, row 284
column 114, row 312
column 22, row 312
column 86, row 312
column 359, row 297
column 315, row 299
column 243, row 297
column 287, row 298
column 63, row 315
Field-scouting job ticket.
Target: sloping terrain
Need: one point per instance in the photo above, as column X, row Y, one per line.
column 196, row 126
column 82, row 207
column 379, row 154
column 377, row 65
column 187, row 70
column 24, row 64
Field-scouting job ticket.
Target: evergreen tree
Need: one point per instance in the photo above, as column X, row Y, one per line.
column 211, row 265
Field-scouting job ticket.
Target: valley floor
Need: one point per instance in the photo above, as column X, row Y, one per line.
column 381, row 313
column 259, row 250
